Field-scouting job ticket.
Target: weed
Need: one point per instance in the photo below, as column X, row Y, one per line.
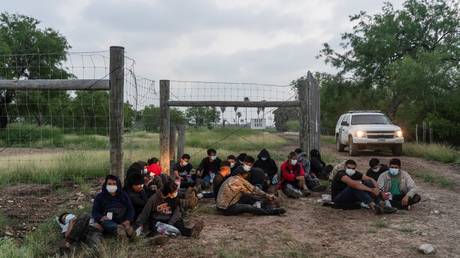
column 435, row 179
column 437, row 152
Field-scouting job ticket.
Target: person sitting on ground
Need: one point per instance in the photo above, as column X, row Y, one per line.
column 312, row 182
column 267, row 164
column 232, row 160
column 134, row 187
column 154, row 167
column 351, row 189
column 165, row 207
column 182, row 171
column 400, row 184
column 257, row 176
column 237, row 195
column 113, row 210
column 318, row 166
column 79, row 230
column 375, row 169
column 337, row 168
column 293, row 178
column 239, row 162
column 208, row 168
column 137, row 167
column 219, row 179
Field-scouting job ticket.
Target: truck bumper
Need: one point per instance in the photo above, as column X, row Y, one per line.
column 378, row 142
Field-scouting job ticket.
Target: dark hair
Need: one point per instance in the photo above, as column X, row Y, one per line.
column 242, row 156
column 61, row 217
column 169, row 186
column 211, row 151
column 136, row 168
column 292, row 155
column 152, row 161
column 225, row 164
column 231, row 157
column 350, row 162
column 133, row 179
column 395, row 162
column 374, row 162
column 298, row 150
column 314, row 153
column 249, row 159
column 185, row 156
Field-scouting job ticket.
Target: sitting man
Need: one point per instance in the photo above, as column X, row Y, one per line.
column 232, row 161
column 219, row 179
column 208, row 168
column 134, row 187
column 237, row 195
column 182, row 171
column 400, row 184
column 375, row 169
column 257, row 176
column 351, row 189
column 79, row 230
column 293, row 178
column 266, row 164
column 113, row 210
column 311, row 180
column 165, row 207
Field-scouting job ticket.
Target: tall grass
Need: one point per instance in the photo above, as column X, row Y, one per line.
column 437, row 152
column 435, row 179
column 29, row 135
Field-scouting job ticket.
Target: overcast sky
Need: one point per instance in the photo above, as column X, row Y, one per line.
column 268, row 41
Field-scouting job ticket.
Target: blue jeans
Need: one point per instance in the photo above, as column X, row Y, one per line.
column 109, row 226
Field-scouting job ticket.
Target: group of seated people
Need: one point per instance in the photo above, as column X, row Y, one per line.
column 152, row 202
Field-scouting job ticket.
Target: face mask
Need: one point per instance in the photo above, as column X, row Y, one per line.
column 111, row 188
column 246, row 168
column 152, row 174
column 213, row 157
column 264, row 158
column 65, row 226
column 350, row 172
column 232, row 164
column 68, row 218
column 376, row 169
column 394, row 171
column 293, row 162
column 185, row 163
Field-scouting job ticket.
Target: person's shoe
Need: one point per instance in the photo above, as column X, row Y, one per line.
column 275, row 211
column 197, row 228
column 319, row 188
column 305, row 193
column 158, row 239
column 191, row 198
column 389, row 210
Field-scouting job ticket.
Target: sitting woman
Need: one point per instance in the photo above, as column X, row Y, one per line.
column 134, row 187
column 164, row 206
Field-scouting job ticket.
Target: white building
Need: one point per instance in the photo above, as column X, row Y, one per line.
column 258, row 123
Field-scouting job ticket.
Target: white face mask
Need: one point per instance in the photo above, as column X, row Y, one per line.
column 152, row 174
column 376, row 169
column 293, row 162
column 264, row 158
column 350, row 172
column 232, row 164
column 68, row 218
column 185, row 163
column 111, row 188
column 246, row 168
column 213, row 157
column 394, row 171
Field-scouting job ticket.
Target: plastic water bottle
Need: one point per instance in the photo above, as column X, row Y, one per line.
column 166, row 229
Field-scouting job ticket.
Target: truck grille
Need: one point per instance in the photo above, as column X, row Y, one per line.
column 380, row 136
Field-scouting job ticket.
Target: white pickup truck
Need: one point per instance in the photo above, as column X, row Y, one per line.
column 359, row 130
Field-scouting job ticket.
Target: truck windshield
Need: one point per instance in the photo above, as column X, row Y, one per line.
column 369, row 119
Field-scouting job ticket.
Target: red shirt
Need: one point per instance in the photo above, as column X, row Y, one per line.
column 154, row 168
column 289, row 172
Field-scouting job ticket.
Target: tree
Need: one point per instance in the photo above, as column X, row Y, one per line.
column 21, row 43
column 202, row 116
column 150, row 117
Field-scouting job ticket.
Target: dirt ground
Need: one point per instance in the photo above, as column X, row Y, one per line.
column 306, row 230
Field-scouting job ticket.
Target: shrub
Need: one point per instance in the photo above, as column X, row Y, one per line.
column 30, row 135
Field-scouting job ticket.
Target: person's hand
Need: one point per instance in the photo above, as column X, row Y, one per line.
column 375, row 191
column 405, row 201
column 271, row 197
column 105, row 218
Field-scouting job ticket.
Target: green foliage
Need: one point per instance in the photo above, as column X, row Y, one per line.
column 293, row 125
column 435, row 179
column 202, row 116
column 437, row 152
column 150, row 118
column 282, row 116
column 28, row 135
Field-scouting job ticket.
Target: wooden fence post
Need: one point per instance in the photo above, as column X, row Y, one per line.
column 164, row 127
column 172, row 144
column 180, row 141
column 117, row 77
column 303, row 115
column 416, row 133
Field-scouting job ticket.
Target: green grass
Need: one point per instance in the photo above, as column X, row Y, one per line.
column 436, row 152
column 327, row 139
column 379, row 223
column 29, row 135
column 435, row 179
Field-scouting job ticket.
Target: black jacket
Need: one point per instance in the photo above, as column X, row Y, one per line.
column 138, row 200
column 268, row 166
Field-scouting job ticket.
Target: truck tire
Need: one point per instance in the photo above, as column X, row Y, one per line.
column 340, row 146
column 397, row 150
column 352, row 150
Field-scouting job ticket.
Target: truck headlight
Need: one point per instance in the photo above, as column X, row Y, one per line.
column 360, row 134
column 399, row 134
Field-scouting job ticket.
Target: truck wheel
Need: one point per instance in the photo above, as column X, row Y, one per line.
column 397, row 150
column 352, row 150
column 340, row 146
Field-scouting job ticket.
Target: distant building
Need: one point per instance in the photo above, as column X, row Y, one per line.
column 258, row 123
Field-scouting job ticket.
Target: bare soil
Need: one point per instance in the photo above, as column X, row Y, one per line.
column 308, row 229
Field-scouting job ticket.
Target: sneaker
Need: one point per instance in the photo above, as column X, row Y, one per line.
column 389, row 210
column 158, row 239
column 197, row 228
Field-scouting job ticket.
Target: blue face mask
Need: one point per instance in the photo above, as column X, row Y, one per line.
column 394, row 171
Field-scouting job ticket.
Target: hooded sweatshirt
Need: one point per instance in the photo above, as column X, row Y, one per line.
column 303, row 158
column 268, row 166
column 316, row 163
column 119, row 204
